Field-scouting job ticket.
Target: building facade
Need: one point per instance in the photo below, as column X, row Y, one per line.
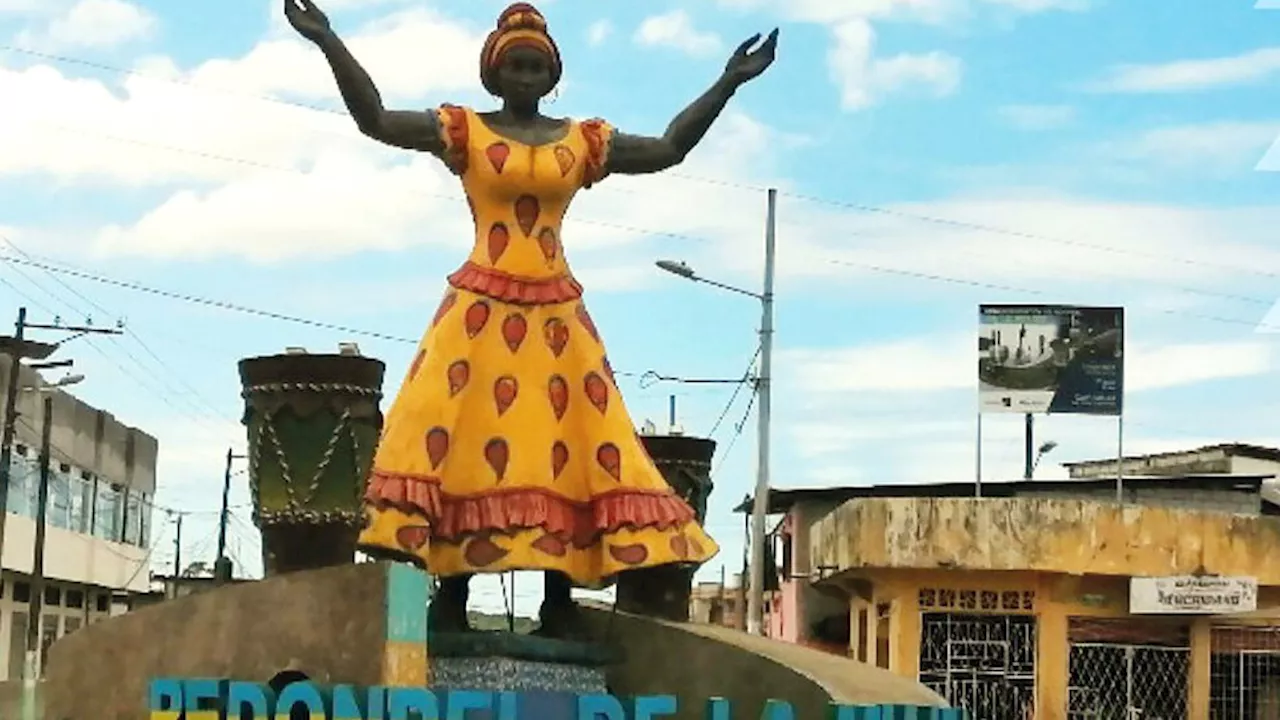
column 1032, row 601
column 101, row 483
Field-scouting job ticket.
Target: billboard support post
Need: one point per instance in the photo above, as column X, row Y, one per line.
column 1120, row 458
column 977, row 468
column 1029, row 440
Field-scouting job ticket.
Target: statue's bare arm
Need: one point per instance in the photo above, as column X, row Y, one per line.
column 639, row 155
column 412, row 130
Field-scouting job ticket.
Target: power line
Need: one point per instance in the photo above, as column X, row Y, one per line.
column 196, row 300
column 746, row 376
column 846, row 204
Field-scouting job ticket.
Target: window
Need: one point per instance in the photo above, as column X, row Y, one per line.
column 81, row 502
column 52, row 596
column 104, row 603
column 70, row 625
column 133, row 518
column 59, row 507
column 75, row 599
column 144, row 522
column 21, row 592
column 107, row 513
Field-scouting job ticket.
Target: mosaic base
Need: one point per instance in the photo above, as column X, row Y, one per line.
column 507, row 674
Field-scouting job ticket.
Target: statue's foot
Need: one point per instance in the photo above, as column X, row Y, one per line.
column 562, row 620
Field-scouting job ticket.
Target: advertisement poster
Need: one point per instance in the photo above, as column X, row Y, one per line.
column 1050, row 359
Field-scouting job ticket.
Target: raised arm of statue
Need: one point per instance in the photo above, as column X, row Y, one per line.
column 405, row 129
column 638, row 155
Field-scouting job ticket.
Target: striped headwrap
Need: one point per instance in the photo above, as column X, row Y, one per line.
column 519, row 25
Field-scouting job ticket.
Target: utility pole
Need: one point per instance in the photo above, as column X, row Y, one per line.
column 222, row 565
column 760, row 506
column 17, row 347
column 37, row 561
column 177, row 556
column 740, row 621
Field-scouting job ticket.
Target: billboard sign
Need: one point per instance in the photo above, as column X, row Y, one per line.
column 1050, row 359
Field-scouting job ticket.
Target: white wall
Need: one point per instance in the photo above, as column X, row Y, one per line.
column 75, row 558
column 1254, row 466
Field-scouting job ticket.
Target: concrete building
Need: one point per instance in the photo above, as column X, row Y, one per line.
column 719, row 603
column 102, row 480
column 1047, row 599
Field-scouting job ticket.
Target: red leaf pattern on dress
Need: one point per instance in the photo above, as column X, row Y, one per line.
column 505, row 390
column 556, row 333
column 496, row 454
column 458, row 374
column 527, row 210
column 610, row 458
column 566, row 159
column 597, row 391
column 514, row 329
column 498, row 154
column 498, row 240
column 477, row 316
column 585, row 318
column 549, row 244
column 559, row 458
column 437, row 446
column 558, row 393
column 448, row 302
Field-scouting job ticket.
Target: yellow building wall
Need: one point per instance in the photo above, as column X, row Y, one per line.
column 1057, row 599
column 1074, row 537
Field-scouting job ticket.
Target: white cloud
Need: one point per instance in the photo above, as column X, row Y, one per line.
column 1230, row 146
column 933, row 12
column 1035, row 6
column 863, row 78
column 93, row 24
column 265, row 216
column 1037, row 117
column 949, row 362
column 1194, row 74
column 216, row 109
column 675, row 30
column 598, row 32
column 1153, row 368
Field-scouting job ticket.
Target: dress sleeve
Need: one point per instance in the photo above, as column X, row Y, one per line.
column 598, row 135
column 453, row 132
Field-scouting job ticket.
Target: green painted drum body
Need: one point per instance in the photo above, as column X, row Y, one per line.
column 313, row 423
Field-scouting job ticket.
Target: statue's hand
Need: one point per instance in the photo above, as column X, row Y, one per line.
column 310, row 22
column 747, row 64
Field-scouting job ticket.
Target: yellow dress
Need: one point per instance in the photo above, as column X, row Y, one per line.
column 509, row 446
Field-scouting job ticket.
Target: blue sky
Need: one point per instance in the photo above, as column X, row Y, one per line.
column 931, row 155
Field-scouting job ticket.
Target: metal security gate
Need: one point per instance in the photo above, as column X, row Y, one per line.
column 1110, row 681
column 1245, row 674
column 985, row 664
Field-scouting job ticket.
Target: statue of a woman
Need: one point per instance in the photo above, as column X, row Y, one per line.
column 508, row 446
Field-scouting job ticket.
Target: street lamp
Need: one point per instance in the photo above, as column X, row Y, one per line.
column 1045, row 448
column 760, row 504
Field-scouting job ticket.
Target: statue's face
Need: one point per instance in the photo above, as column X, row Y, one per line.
column 524, row 75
